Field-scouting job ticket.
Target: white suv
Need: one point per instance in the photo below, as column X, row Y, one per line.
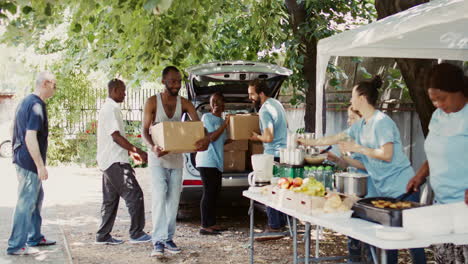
column 231, row 78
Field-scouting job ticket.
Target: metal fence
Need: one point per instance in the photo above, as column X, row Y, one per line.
column 132, row 109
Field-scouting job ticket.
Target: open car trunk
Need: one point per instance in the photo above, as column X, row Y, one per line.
column 231, row 78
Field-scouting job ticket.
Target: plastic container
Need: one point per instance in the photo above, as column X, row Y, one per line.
column 319, row 174
column 262, row 165
column 328, row 177
column 299, row 172
column 313, row 172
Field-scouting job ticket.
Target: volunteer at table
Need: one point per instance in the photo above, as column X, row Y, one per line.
column 445, row 146
column 334, row 155
column 377, row 138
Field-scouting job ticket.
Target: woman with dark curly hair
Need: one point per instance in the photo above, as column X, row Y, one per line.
column 445, row 146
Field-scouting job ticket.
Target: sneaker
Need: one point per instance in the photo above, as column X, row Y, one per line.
column 142, row 239
column 25, row 251
column 44, row 242
column 110, row 241
column 158, row 250
column 171, row 247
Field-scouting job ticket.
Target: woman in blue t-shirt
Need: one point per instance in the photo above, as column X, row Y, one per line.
column 210, row 164
column 445, row 146
column 376, row 139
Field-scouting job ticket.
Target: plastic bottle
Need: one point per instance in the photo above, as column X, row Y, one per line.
column 319, row 174
column 327, row 175
column 313, row 172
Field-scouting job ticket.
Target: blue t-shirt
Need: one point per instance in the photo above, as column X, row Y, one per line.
column 446, row 145
column 31, row 114
column 390, row 178
column 272, row 115
column 213, row 157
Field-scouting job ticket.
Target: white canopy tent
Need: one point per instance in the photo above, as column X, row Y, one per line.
column 435, row 30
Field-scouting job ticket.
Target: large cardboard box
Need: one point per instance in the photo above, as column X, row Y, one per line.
column 255, row 147
column 238, row 145
column 234, row 161
column 177, row 137
column 242, row 126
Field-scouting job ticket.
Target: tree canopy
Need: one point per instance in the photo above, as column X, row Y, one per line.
column 135, row 39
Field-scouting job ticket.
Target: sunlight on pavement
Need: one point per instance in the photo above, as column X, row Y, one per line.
column 67, row 185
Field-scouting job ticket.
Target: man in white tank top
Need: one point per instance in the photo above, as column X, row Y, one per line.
column 166, row 168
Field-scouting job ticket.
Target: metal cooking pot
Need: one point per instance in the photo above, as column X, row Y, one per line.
column 351, row 183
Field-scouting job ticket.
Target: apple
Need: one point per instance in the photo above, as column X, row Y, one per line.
column 290, row 180
column 282, row 180
column 285, row 185
column 297, row 182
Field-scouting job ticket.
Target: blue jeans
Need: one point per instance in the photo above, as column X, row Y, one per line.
column 165, row 191
column 276, row 219
column 27, row 218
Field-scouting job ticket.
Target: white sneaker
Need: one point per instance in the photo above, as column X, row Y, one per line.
column 25, row 251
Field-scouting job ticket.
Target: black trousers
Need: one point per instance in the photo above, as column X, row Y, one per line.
column 211, row 178
column 119, row 181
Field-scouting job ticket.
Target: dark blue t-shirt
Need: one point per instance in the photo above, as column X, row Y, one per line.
column 31, row 114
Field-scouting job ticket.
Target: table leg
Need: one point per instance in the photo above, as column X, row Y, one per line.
column 295, row 239
column 374, row 254
column 307, row 242
column 383, row 257
column 251, row 213
column 317, row 241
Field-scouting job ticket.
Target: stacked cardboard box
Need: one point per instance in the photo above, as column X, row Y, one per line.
column 234, row 155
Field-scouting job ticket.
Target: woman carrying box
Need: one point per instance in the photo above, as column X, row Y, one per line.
column 210, row 164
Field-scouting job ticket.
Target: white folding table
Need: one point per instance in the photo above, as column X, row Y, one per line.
column 359, row 229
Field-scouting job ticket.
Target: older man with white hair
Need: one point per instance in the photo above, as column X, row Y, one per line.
column 29, row 155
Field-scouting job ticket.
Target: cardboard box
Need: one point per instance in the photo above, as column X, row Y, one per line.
column 255, row 147
column 234, row 161
column 238, row 145
column 177, row 137
column 242, row 126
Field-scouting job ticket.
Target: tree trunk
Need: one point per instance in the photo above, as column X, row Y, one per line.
column 297, row 13
column 413, row 70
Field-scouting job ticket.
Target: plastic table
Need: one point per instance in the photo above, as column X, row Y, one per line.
column 353, row 227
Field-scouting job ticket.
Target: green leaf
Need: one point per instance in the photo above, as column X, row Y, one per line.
column 48, row 10
column 357, row 59
column 334, row 82
column 10, row 7
column 26, row 10
column 364, row 72
column 76, row 28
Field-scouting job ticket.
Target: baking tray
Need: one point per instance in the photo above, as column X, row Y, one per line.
column 364, row 209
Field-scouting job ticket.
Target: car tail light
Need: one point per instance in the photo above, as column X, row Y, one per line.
column 192, row 182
